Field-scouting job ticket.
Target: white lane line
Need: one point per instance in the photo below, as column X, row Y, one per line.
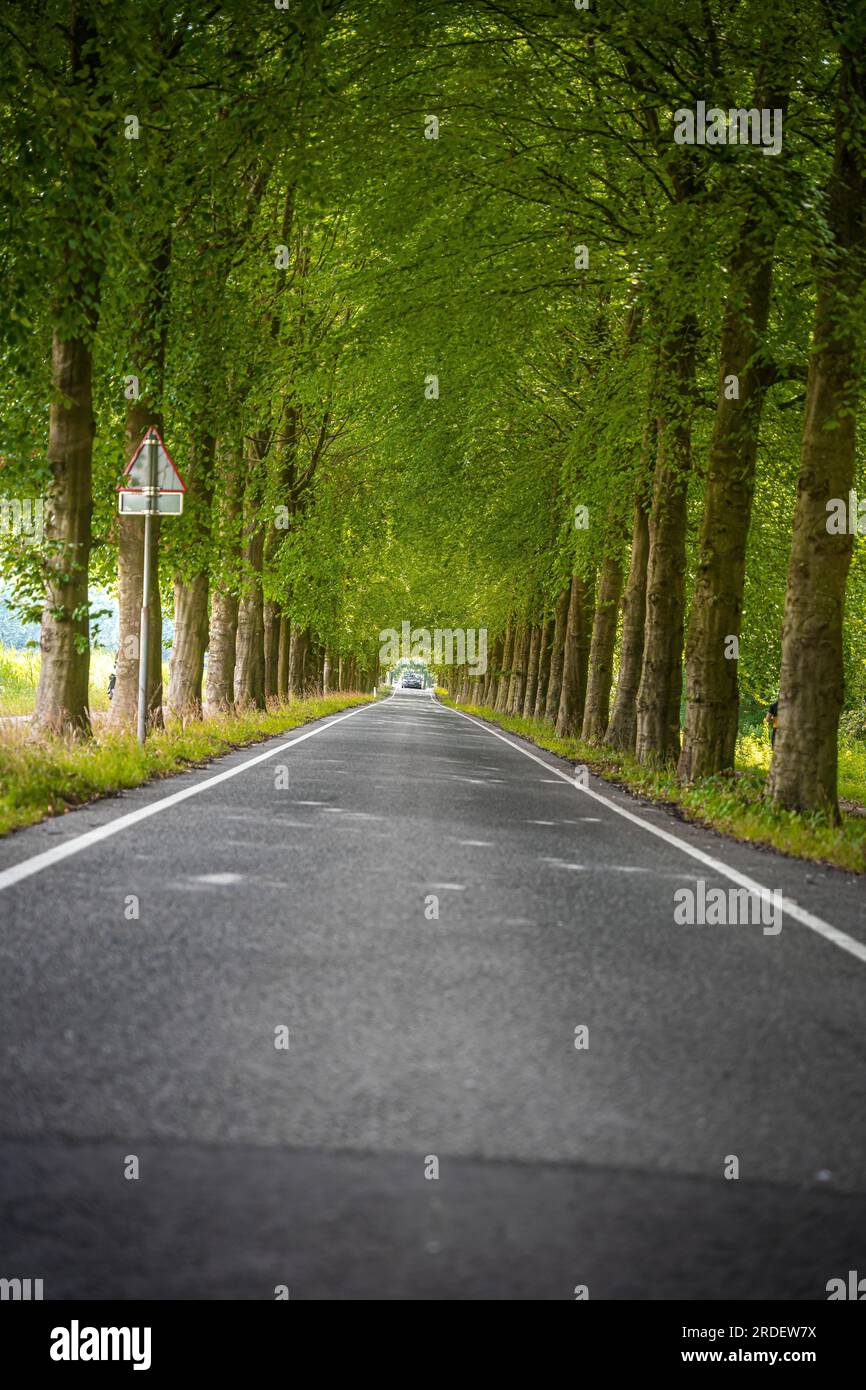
column 38, row 862
column 792, row 909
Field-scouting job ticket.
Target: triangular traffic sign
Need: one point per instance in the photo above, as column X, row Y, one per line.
column 137, row 472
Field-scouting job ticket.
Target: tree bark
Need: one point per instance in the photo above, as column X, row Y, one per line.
column 492, row 674
column 275, row 634
column 250, row 650
column 597, row 705
column 673, row 393
column 505, row 674
column 271, row 640
column 532, row 672
column 712, row 691
column 312, row 678
column 584, row 640
column 283, row 658
column 298, row 648
column 147, row 356
column 543, row 668
column 517, row 682
column 658, row 698
column 803, row 775
column 130, row 580
column 186, row 665
column 62, row 692
column 62, row 700
column 220, row 685
column 222, row 648
column 568, row 716
column 557, row 655
column 622, row 729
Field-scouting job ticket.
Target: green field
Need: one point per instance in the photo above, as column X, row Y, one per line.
column 19, row 676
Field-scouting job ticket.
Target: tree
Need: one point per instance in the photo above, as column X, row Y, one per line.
column 811, row 686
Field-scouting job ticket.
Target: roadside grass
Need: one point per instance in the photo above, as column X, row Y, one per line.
column 19, row 677
column 735, row 805
column 45, row 777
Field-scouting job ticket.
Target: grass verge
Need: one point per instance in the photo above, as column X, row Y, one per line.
column 735, row 804
column 49, row 776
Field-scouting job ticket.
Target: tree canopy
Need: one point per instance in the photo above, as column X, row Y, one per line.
column 443, row 323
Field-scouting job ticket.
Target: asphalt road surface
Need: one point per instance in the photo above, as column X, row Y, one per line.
column 288, row 895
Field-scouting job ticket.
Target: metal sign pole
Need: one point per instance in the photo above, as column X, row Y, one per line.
column 144, row 629
column 143, row 472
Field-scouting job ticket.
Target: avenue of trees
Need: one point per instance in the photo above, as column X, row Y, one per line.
column 442, row 323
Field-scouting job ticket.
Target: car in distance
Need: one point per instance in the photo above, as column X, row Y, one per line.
column 412, row 681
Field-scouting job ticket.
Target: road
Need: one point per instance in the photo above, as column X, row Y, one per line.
column 291, row 888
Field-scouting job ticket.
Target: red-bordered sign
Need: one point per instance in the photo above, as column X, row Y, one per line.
column 137, row 471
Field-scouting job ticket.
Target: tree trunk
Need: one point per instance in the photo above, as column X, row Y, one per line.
column 597, row 705
column 532, row 672
column 283, row 658
column 492, row 674
column 130, row 579
column 622, row 730
column 220, row 685
column 140, row 417
column 517, row 682
column 568, row 716
column 557, row 655
column 584, row 640
column 658, row 699
column 505, row 674
column 712, row 691
column 250, row 652
column 147, row 356
column 186, row 666
column 276, row 635
column 544, row 654
column 313, row 669
column 298, row 648
column 803, row 775
column 271, row 620
column 673, row 391
column 219, row 693
column 62, row 693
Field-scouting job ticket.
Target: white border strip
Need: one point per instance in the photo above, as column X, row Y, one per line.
column 792, row 909
column 38, row 862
